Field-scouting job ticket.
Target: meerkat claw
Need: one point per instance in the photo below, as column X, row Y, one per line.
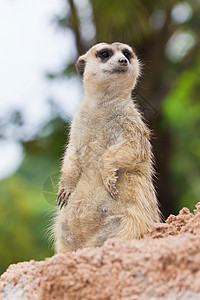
column 113, row 190
column 63, row 204
column 63, row 198
column 59, row 196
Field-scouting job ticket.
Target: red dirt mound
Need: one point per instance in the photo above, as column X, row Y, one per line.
column 164, row 265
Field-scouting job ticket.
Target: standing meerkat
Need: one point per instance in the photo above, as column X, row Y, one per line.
column 106, row 188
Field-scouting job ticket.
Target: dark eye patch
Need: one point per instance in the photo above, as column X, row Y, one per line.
column 127, row 54
column 104, row 54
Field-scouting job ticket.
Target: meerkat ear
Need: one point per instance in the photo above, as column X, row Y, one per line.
column 80, row 65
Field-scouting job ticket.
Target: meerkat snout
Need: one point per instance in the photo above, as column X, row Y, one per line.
column 123, row 61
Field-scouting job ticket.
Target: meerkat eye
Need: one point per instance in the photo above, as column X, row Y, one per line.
column 105, row 54
column 127, row 54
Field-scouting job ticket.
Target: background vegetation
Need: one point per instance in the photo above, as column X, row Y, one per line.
column 166, row 36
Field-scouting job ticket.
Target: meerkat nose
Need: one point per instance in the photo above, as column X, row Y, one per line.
column 123, row 62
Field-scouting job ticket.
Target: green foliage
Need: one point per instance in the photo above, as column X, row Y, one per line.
column 22, row 222
column 181, row 110
column 26, row 208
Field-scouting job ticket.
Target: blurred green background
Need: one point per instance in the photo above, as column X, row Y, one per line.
column 166, row 36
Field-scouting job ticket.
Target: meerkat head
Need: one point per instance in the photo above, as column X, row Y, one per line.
column 112, row 67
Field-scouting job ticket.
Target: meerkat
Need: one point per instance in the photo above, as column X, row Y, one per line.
column 106, row 188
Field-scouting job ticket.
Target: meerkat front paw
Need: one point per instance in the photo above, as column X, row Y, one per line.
column 110, row 183
column 109, row 177
column 62, row 198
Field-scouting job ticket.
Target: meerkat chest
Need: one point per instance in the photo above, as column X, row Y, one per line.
column 100, row 128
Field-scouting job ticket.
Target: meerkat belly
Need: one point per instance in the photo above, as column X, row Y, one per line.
column 90, row 217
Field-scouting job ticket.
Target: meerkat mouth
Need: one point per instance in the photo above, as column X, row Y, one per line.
column 117, row 71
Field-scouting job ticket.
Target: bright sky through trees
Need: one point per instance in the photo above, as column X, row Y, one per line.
column 31, row 46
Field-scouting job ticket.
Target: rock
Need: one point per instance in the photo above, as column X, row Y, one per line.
column 164, row 265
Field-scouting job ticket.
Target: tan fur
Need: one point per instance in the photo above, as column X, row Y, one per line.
column 109, row 147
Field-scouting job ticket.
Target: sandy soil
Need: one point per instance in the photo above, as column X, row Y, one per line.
column 164, row 265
